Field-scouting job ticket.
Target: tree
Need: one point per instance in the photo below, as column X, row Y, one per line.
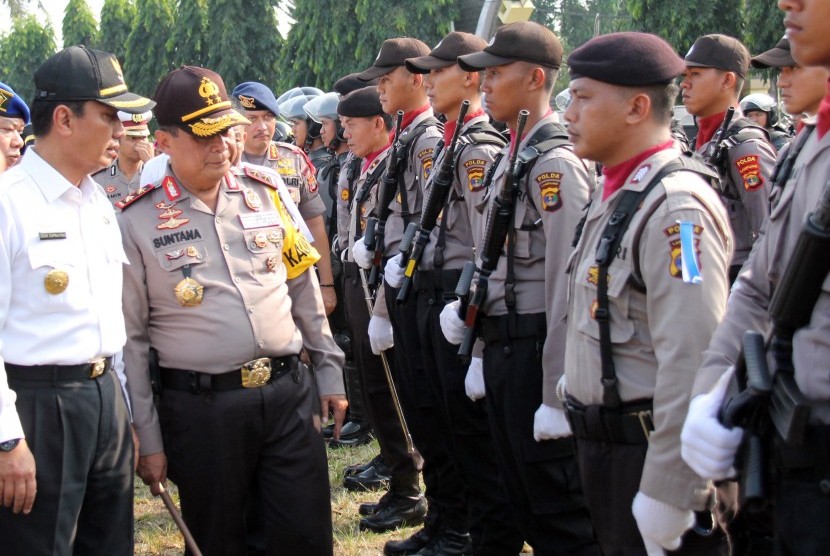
column 79, row 25
column 190, row 33
column 148, row 46
column 117, row 18
column 22, row 51
column 680, row 23
column 332, row 38
column 762, row 24
column 243, row 40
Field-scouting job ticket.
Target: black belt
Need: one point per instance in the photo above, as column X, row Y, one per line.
column 496, row 329
column 59, row 373
column 436, row 280
column 253, row 374
column 631, row 423
column 813, row 455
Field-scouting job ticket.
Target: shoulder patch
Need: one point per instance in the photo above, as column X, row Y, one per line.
column 550, row 185
column 261, row 177
column 750, row 169
column 273, row 152
column 133, row 197
column 475, row 169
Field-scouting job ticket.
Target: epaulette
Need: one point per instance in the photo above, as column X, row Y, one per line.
column 261, row 176
column 135, row 196
column 294, row 150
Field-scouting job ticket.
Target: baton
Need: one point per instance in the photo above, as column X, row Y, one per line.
column 189, row 541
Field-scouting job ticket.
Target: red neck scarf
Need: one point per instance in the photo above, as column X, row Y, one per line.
column 823, row 123
column 408, row 118
column 615, row 176
column 449, row 127
column 371, row 158
column 706, row 128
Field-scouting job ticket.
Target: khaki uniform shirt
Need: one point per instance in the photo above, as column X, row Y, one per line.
column 660, row 327
column 345, row 192
column 297, row 173
column 463, row 216
column 250, row 309
column 549, row 205
column 747, row 188
column 115, row 184
column 752, row 292
column 418, row 167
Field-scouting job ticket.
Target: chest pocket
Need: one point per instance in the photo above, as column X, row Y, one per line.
column 619, row 299
column 265, row 248
column 52, row 259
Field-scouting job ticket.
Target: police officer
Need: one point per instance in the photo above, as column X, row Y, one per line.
column 14, row 117
column 66, row 452
column 366, row 129
column 640, row 310
column 306, row 131
column 463, row 420
column 761, row 109
column 401, row 90
column 257, row 103
column 521, row 330
column 122, row 177
column 216, row 259
column 716, row 67
column 798, row 492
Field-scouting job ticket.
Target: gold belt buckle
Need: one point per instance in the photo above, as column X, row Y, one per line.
column 97, row 367
column 256, row 373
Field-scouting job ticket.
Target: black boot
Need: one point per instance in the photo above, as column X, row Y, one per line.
column 361, row 467
column 369, row 508
column 419, row 539
column 448, row 543
column 373, row 478
column 396, row 511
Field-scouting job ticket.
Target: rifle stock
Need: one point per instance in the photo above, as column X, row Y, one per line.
column 713, row 156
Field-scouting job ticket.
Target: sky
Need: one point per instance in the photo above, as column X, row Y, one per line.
column 54, row 9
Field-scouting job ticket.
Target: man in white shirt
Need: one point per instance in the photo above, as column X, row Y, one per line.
column 66, row 452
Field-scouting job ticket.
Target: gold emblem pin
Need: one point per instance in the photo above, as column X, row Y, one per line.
column 252, row 200
column 56, row 281
column 193, row 252
column 275, row 236
column 260, row 240
column 189, row 293
column 272, row 263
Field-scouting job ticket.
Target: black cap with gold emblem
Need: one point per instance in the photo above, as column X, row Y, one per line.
column 195, row 100
column 522, row 41
column 446, row 52
column 393, row 54
column 81, row 73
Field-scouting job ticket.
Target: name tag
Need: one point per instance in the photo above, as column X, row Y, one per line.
column 255, row 220
column 52, row 235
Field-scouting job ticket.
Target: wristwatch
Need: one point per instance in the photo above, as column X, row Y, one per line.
column 9, row 445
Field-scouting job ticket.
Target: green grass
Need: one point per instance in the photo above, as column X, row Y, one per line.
column 156, row 534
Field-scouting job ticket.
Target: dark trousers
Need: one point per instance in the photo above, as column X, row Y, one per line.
column 468, row 438
column 443, row 484
column 79, row 433
column 218, row 444
column 377, row 397
column 611, row 478
column 540, row 478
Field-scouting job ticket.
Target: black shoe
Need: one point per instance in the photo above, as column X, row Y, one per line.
column 371, row 508
column 399, row 511
column 328, row 431
column 361, row 467
column 353, row 433
column 374, row 478
column 448, row 543
column 411, row 545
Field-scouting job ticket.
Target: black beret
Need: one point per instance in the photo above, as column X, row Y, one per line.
column 349, row 83
column 362, row 103
column 629, row 59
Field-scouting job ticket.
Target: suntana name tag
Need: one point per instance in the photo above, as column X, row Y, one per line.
column 51, row 235
column 259, row 220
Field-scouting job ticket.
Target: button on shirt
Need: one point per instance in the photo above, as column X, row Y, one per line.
column 48, row 224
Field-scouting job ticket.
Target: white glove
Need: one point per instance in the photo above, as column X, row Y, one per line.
column 474, row 381
column 550, row 423
column 362, row 256
column 661, row 525
column 452, row 326
column 705, row 444
column 380, row 334
column 393, row 272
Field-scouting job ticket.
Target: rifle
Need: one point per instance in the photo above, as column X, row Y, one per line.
column 782, row 406
column 714, row 154
column 441, row 186
column 386, row 192
column 498, row 223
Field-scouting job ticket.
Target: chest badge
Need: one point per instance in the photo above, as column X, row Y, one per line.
column 56, row 282
column 189, row 292
column 252, row 200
